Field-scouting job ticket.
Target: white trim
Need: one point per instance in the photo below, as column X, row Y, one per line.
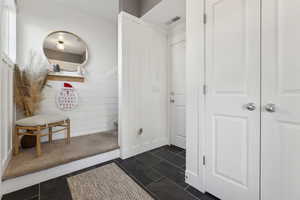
column 1, row 65
column 138, row 149
column 193, row 179
column 177, row 30
column 195, row 100
column 18, row 183
column 6, row 160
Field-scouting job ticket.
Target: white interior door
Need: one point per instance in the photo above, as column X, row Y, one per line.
column 177, row 96
column 233, row 99
column 281, row 100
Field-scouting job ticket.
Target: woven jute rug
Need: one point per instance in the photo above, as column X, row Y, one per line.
column 108, row 182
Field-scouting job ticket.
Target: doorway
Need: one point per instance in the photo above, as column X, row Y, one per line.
column 177, row 92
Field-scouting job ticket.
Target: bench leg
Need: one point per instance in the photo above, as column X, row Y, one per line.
column 50, row 135
column 38, row 144
column 68, row 132
column 17, row 142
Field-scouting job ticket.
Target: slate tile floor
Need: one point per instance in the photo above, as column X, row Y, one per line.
column 160, row 172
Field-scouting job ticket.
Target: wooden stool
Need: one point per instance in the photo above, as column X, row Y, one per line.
column 34, row 126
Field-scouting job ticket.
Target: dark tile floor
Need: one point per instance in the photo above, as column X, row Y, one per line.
column 160, row 172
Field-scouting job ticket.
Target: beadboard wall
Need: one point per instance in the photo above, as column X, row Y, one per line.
column 98, row 95
column 7, row 61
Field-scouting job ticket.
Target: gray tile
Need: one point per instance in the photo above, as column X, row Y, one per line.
column 172, row 172
column 194, row 192
column 128, row 164
column 182, row 154
column 55, row 189
column 174, row 149
column 208, row 196
column 171, row 157
column 23, row 194
column 148, row 159
column 165, row 189
column 158, row 149
column 143, row 174
column 35, row 198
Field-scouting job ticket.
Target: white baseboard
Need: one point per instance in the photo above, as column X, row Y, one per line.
column 179, row 141
column 6, row 161
column 21, row 182
column 194, row 180
column 141, row 148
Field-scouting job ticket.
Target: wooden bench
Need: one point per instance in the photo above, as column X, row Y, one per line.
column 34, row 126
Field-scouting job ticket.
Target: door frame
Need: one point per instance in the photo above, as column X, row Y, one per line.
column 195, row 80
column 176, row 34
column 1, row 65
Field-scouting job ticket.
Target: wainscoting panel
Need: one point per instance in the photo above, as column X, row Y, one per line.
column 7, row 110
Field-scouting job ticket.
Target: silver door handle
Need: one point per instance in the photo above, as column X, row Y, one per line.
column 270, row 108
column 251, row 106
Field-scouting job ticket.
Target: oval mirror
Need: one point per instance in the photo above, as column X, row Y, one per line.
column 66, row 52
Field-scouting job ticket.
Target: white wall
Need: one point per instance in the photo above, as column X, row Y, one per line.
column 143, row 86
column 7, row 59
column 7, row 111
column 177, row 31
column 98, row 94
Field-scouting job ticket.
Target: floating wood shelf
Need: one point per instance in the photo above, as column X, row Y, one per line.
column 65, row 78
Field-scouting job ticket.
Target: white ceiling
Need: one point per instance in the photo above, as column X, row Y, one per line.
column 107, row 9
column 165, row 11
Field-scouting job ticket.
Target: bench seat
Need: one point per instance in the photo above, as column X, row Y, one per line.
column 34, row 126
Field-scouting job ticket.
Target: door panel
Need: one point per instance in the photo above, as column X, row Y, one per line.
column 229, row 31
column 226, row 128
column 178, row 135
column 281, row 87
column 233, row 81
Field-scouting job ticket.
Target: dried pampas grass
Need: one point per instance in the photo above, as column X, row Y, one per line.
column 29, row 85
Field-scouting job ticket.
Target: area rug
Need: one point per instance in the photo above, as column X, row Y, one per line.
column 108, row 182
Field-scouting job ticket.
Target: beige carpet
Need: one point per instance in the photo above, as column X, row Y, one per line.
column 59, row 153
column 106, row 183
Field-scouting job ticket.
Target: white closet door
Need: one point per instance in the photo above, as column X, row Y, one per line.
column 233, row 83
column 281, row 100
column 178, row 135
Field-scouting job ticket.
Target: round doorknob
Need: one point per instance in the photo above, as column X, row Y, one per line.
column 251, row 106
column 270, row 108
